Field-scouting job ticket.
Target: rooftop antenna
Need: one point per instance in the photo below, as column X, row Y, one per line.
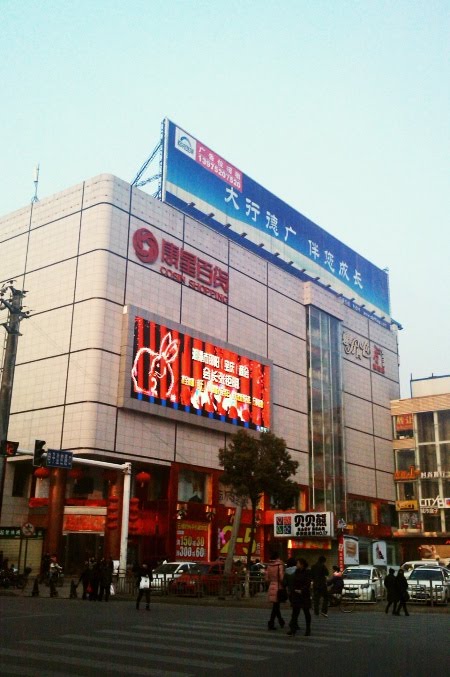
column 36, row 182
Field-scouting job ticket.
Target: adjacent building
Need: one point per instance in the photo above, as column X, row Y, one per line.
column 161, row 326
column 421, row 444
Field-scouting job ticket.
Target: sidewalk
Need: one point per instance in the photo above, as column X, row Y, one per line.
column 258, row 601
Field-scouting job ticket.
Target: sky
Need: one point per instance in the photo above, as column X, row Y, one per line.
column 339, row 108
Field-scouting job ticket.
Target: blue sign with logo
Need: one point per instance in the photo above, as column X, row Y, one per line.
column 202, row 183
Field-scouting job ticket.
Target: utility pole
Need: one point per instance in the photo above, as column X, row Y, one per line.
column 12, row 324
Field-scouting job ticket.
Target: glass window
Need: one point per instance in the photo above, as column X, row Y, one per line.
column 192, row 486
column 425, row 427
column 445, row 457
column 427, row 458
column 359, row 511
column 444, row 425
column 431, row 522
column 430, row 488
column 388, row 516
column 405, row 458
column 406, row 491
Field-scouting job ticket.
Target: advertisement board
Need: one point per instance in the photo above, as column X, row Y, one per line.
column 351, row 550
column 303, row 524
column 192, row 541
column 175, row 372
column 202, row 183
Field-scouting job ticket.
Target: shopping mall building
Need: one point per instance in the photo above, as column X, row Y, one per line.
column 161, row 326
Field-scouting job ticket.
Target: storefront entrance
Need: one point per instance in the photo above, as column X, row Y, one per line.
column 78, row 547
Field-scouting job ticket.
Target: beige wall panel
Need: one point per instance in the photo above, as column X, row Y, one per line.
column 58, row 206
column 106, row 188
column 45, row 288
column 201, row 313
column 93, row 375
column 247, row 332
column 359, row 448
column 384, row 455
column 357, row 414
column 39, row 384
column 100, row 274
column 206, row 240
column 247, row 263
column 385, row 486
column 289, row 389
column 151, row 291
column 199, row 446
column 12, row 257
column 360, row 481
column 143, row 436
column 356, row 379
column 89, row 425
column 45, row 335
column 382, row 422
column 248, row 295
column 150, row 211
column 15, row 223
column 286, row 314
column 97, row 324
column 284, row 283
column 53, row 242
column 28, row 426
column 291, row 426
column 287, row 350
column 104, row 227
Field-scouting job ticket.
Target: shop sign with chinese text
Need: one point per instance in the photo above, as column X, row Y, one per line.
column 304, row 524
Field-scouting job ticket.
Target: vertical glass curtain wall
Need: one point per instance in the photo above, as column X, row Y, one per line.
column 327, row 480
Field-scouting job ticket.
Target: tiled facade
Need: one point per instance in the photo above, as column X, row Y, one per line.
column 74, row 254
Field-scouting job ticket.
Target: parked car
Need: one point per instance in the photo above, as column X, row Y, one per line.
column 166, row 573
column 408, row 567
column 207, row 578
column 426, row 583
column 364, row 582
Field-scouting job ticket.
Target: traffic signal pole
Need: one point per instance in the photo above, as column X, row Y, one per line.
column 15, row 315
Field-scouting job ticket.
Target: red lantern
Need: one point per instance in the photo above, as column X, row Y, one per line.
column 41, row 473
column 143, row 478
column 76, row 474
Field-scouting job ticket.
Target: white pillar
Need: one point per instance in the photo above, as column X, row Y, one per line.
column 125, row 517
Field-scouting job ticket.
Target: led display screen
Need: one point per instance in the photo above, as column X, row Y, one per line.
column 185, row 373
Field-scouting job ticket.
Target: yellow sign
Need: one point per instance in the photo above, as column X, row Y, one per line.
column 406, row 505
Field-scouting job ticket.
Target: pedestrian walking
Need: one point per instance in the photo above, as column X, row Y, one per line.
column 391, row 591
column 85, row 579
column 299, row 584
column 105, row 579
column 54, row 570
column 319, row 573
column 401, row 585
column 275, row 578
column 143, row 581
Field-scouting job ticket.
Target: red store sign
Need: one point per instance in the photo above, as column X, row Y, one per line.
column 182, row 266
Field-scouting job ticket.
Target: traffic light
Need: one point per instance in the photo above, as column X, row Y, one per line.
column 39, row 451
column 8, row 448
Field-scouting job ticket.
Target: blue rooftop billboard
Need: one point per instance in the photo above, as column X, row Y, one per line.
column 200, row 182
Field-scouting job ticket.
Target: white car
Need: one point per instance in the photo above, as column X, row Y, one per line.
column 426, row 583
column 363, row 582
column 165, row 573
column 408, row 567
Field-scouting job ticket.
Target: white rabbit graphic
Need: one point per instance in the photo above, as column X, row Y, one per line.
column 160, row 365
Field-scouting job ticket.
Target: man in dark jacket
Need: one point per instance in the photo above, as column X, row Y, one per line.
column 299, row 584
column 391, row 591
column 319, row 573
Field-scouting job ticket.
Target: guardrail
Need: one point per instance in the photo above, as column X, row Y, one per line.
column 424, row 593
column 195, row 585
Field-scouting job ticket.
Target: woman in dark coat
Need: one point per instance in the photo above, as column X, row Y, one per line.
column 300, row 596
column 275, row 577
column 391, row 591
column 402, row 592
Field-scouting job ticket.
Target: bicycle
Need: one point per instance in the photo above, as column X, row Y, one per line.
column 345, row 600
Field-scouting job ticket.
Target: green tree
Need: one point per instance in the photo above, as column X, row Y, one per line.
column 254, row 466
